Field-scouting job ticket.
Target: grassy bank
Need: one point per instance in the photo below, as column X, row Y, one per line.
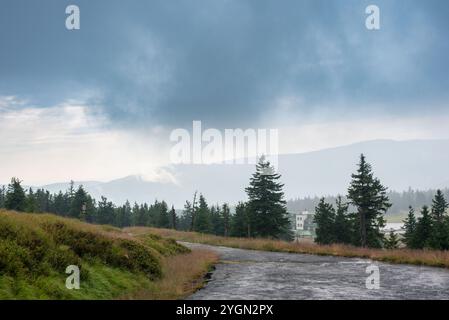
column 35, row 250
column 417, row 257
column 185, row 275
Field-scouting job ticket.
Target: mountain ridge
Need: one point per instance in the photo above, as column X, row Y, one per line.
column 419, row 164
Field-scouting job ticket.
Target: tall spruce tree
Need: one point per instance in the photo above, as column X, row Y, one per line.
column 325, row 220
column 440, row 227
column 15, row 198
column 409, row 237
column 267, row 207
column 370, row 198
column 423, row 229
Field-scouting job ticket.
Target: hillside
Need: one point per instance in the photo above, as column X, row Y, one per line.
column 35, row 251
column 419, row 164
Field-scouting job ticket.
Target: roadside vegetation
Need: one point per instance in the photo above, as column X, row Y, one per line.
column 434, row 258
column 35, row 250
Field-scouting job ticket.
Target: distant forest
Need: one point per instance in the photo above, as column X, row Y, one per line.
column 400, row 201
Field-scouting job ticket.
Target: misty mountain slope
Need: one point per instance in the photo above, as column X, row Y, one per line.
column 419, row 164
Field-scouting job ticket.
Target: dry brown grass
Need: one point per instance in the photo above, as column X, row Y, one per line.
column 433, row 258
column 183, row 275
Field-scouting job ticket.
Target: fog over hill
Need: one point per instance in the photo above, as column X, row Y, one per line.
column 420, row 164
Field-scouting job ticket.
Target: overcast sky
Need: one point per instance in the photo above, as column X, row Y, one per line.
column 100, row 102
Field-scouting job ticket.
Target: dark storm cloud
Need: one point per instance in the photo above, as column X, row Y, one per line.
column 225, row 62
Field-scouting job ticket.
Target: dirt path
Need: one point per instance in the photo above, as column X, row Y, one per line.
column 247, row 274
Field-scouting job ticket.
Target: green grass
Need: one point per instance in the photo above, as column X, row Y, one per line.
column 103, row 283
column 35, row 250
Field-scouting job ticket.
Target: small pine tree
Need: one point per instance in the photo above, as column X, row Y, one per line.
column 187, row 216
column 240, row 221
column 423, row 229
column 225, row 213
column 202, row 216
column 31, row 202
column 123, row 215
column 105, row 213
column 216, row 220
column 2, row 196
column 173, row 217
column 164, row 217
column 15, row 198
column 439, row 207
column 392, row 242
column 409, row 228
column 342, row 226
column 325, row 221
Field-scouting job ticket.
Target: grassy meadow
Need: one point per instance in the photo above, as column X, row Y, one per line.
column 35, row 250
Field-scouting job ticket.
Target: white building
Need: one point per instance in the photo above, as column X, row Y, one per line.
column 303, row 225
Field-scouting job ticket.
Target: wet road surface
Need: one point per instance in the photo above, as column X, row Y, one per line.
column 248, row 274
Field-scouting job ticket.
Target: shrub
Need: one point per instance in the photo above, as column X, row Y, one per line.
column 166, row 247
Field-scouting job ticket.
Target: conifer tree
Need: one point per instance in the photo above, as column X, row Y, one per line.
column 266, row 205
column 240, row 221
column 144, row 215
column 31, row 205
column 370, row 198
column 202, row 216
column 225, row 213
column 164, row 218
column 105, row 212
column 193, row 212
column 2, row 196
column 440, row 229
column 15, row 198
column 325, row 221
column 423, row 229
column 216, row 220
column 409, row 228
column 342, row 226
column 123, row 215
column 135, row 214
column 187, row 216
column 439, row 207
column 174, row 218
column 392, row 241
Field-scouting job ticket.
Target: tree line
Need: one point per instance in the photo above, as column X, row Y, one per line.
column 263, row 215
column 77, row 203
column 400, row 201
column 358, row 218
column 431, row 230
